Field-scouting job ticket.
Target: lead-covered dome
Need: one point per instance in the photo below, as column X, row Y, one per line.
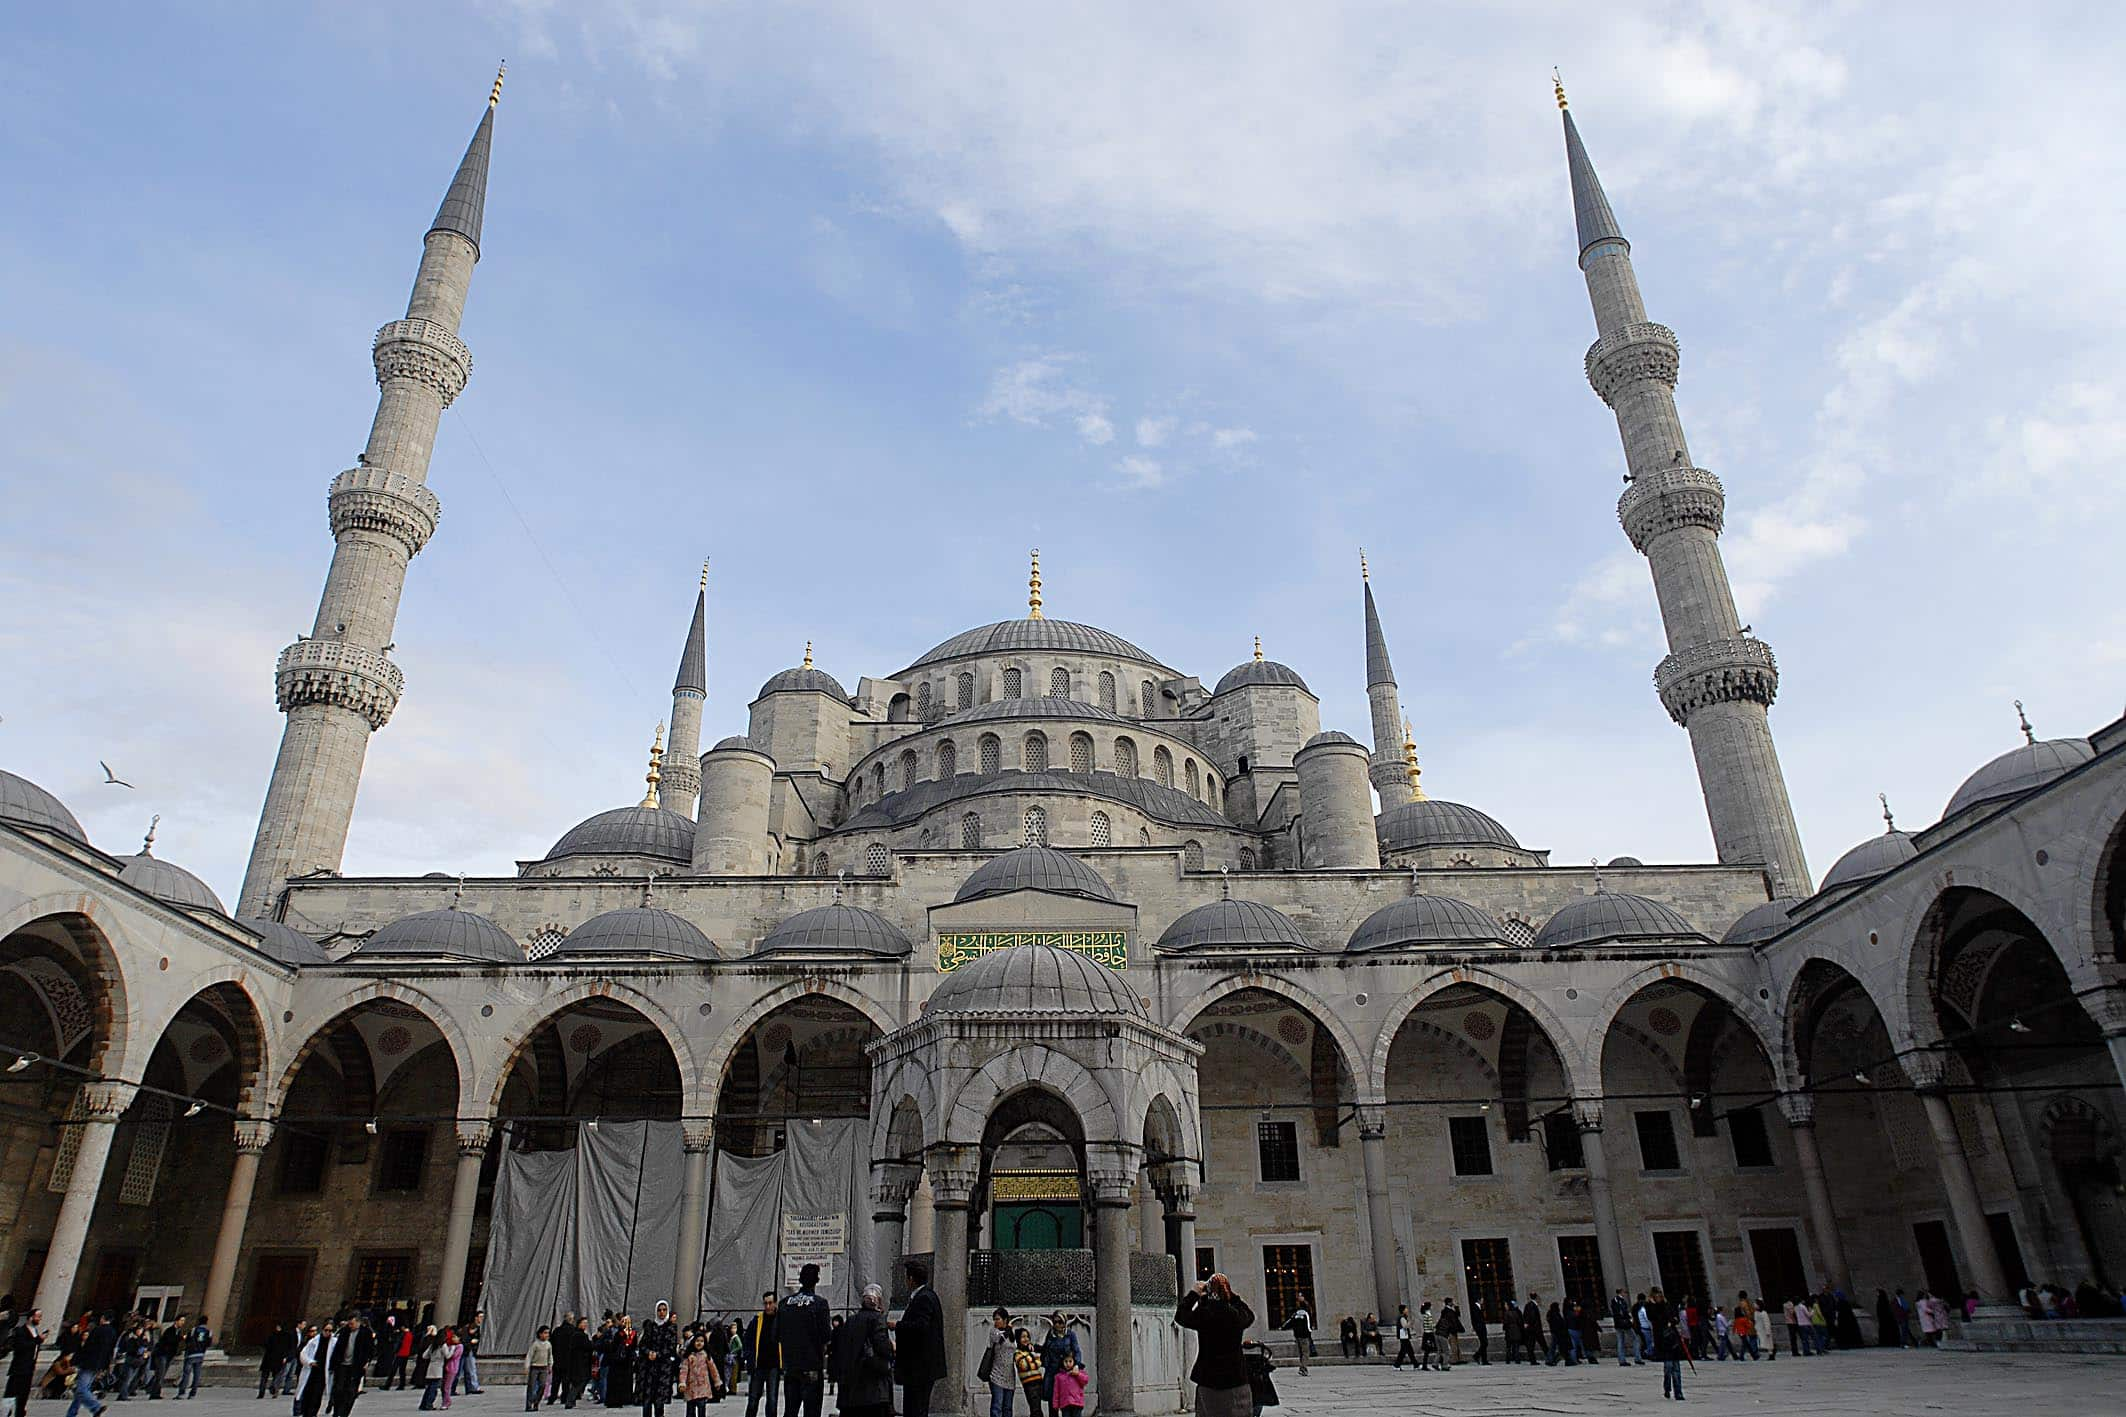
column 1015, row 636
column 1044, row 980
column 1433, row 821
column 1877, row 856
column 1234, row 925
column 804, row 680
column 737, row 742
column 1422, row 921
column 1047, row 706
column 629, row 831
column 1328, row 736
column 636, row 930
column 172, row 885
column 837, row 929
column 1608, row 916
column 2022, row 770
column 1033, row 868
column 24, row 804
column 284, row 942
column 449, row 933
column 1760, row 922
column 1260, row 674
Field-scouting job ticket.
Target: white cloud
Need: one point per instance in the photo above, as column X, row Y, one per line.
column 1141, row 472
column 1232, row 437
column 1038, row 393
column 1153, row 432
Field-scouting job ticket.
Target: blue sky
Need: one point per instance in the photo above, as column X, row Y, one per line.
column 864, row 301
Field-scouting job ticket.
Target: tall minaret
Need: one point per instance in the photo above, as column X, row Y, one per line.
column 1389, row 778
column 682, row 766
column 1718, row 680
column 337, row 684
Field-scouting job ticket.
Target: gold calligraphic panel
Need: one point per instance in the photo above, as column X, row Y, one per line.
column 1034, row 1186
column 1110, row 947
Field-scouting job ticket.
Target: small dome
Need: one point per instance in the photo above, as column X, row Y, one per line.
column 1232, row 924
column 1011, row 636
column 24, row 804
column 837, row 929
column 172, row 885
column 629, row 831
column 1432, row 821
column 1033, row 868
column 446, row 934
column 1611, row 915
column 1034, row 979
column 1877, row 856
column 2022, row 770
column 636, row 930
column 286, row 943
column 1623, row 861
column 1761, row 922
column 1260, row 673
column 737, row 740
column 1328, row 736
column 1421, row 920
column 804, row 681
column 1047, row 706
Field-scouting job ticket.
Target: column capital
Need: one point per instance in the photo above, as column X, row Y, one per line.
column 104, row 1101
column 1111, row 1172
column 1799, row 1108
column 697, row 1136
column 2108, row 1007
column 1372, row 1121
column 954, row 1173
column 1929, row 1071
column 892, row 1184
column 253, row 1135
column 1587, row 1113
column 1176, row 1187
column 473, row 1135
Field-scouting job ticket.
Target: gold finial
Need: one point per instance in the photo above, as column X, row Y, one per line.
column 1597, row 874
column 808, row 654
column 494, row 95
column 1559, row 84
column 1033, row 588
column 1363, row 573
column 1258, row 649
column 1889, row 822
column 1410, row 767
column 149, row 840
column 704, row 573
column 656, row 772
column 459, row 894
column 2029, row 735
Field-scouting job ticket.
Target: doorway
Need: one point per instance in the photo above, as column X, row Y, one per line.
column 1937, row 1260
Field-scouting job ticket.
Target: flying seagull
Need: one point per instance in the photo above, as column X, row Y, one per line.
column 111, row 778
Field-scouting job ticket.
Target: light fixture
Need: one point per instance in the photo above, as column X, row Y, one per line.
column 196, row 1108
column 591, row 1125
column 2016, row 1025
column 370, row 1126
column 1862, row 1079
column 22, row 1061
column 1483, row 1107
column 1696, row 1102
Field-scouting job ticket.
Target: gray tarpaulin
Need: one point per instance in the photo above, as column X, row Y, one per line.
column 821, row 1174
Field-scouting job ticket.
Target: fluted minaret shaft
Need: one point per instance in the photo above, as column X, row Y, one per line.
column 1391, row 780
column 337, row 685
column 690, row 691
column 1717, row 681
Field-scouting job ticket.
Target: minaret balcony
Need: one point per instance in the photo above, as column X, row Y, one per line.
column 426, row 353
column 1632, row 354
column 1670, row 498
column 389, row 503
column 339, row 673
column 1737, row 670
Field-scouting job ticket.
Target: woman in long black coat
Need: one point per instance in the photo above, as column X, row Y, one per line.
column 620, row 1365
column 862, row 1360
column 1221, row 1319
column 22, row 1362
column 658, row 1360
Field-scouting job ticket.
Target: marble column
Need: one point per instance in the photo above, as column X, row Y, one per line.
column 1111, row 1172
column 1965, row 1208
column 953, row 1172
column 892, row 1183
column 1380, row 1217
column 1587, row 1117
column 252, row 1137
column 922, row 1217
column 698, row 1138
column 96, row 1110
column 1177, row 1189
column 1799, row 1109
column 472, row 1136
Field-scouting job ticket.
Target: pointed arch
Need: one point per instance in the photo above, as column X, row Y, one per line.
column 695, row 1100
column 1349, row 1053
column 1032, row 1066
column 1583, row 1079
column 717, row 1062
column 1748, row 1012
column 91, row 929
column 316, row 1027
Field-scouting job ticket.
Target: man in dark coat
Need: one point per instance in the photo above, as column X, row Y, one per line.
column 98, row 1347
column 1532, row 1329
column 762, row 1356
column 1510, row 1325
column 803, row 1326
column 572, row 1361
column 349, row 1364
column 22, row 1360
column 1481, row 1329
column 862, row 1361
column 921, row 1343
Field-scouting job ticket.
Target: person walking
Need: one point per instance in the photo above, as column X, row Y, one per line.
column 1561, row 1344
column 997, row 1367
column 1744, row 1323
column 1403, row 1348
column 659, row 1363
column 310, row 1387
column 22, row 1346
column 1620, row 1315
column 1670, row 1347
column 1532, row 1344
column 538, row 1366
column 1450, row 1333
column 349, row 1364
column 453, row 1357
column 698, row 1378
column 1428, row 1338
column 198, row 1339
column 762, row 1357
column 1480, row 1328
column 919, row 1358
column 272, row 1358
column 862, row 1361
column 1301, row 1324
column 1510, row 1326
column 1220, row 1319
column 91, row 1361
column 803, row 1325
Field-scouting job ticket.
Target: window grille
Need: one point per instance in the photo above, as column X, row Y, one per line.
column 907, row 769
column 1195, row 783
column 1103, row 831
column 966, row 690
column 970, row 832
column 1033, row 754
column 1192, row 856
column 1125, row 758
column 992, row 753
column 1107, row 691
column 1162, row 767
column 1013, row 683
column 948, row 760
column 875, row 859
column 1059, row 683
column 1036, row 826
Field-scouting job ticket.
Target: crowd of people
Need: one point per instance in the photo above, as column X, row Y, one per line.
column 100, row 1358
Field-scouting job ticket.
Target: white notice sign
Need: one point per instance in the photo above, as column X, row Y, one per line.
column 814, row 1237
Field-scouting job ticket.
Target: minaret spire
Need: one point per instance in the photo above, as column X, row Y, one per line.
column 656, row 772
column 1718, row 680
column 337, row 684
column 1390, row 780
column 1033, row 588
column 690, row 691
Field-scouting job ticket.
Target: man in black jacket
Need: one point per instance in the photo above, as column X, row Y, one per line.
column 762, row 1356
column 920, row 1345
column 803, row 1328
column 353, row 1350
column 98, row 1348
column 274, row 1357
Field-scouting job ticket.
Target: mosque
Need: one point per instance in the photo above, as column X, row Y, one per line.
column 1071, row 970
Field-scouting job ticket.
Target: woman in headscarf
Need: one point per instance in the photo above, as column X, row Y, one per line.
column 862, row 1360
column 620, row 1364
column 659, row 1361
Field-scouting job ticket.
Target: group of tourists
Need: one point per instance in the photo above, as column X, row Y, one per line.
column 100, row 1358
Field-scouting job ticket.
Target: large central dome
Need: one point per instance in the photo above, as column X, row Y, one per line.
column 1013, row 636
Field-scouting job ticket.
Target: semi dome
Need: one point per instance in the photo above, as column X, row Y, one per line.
column 1033, row 868
column 1232, row 924
column 2022, row 770
column 1034, row 979
column 1431, row 821
column 286, row 943
column 1048, row 706
column 1759, row 923
column 1877, row 856
column 1611, row 916
column 1260, row 674
column 1423, row 920
column 1013, row 636
column 804, row 680
column 629, row 831
column 449, row 933
column 172, row 885
column 837, row 929
column 636, row 930
column 24, row 804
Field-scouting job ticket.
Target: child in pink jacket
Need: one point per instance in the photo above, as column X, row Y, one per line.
column 1068, row 1399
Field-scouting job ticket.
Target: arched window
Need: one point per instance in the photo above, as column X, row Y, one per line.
column 1107, row 691
column 899, row 709
column 948, row 760
column 970, row 832
column 1033, row 753
column 1210, row 787
column 1192, row 855
column 1247, row 858
column 1036, row 827
column 992, row 750
column 907, row 769
column 1162, row 767
column 1103, row 831
column 1014, row 683
column 1081, row 752
column 1144, row 699
column 1059, row 682
column 1125, row 757
column 922, row 702
column 878, row 779
column 1195, row 783
column 966, row 691
column 819, row 864
column 1144, row 836
column 875, row 859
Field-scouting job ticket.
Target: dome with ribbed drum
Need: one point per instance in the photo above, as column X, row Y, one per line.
column 1260, row 674
column 449, row 933
column 837, row 929
column 2023, row 770
column 1760, row 922
column 1608, row 916
column 636, row 930
column 1423, row 921
column 172, row 885
column 1033, row 868
column 1017, row 636
column 1043, row 980
column 286, row 943
column 24, row 804
column 1232, row 924
column 629, row 831
column 1434, row 821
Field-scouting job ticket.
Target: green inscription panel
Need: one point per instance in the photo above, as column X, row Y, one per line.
column 1110, row 947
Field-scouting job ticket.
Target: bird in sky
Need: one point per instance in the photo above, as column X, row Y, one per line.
column 111, row 779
